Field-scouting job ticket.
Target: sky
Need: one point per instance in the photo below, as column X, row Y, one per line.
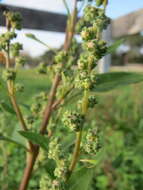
column 116, row 8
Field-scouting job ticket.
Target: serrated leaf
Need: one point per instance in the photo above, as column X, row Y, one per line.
column 115, row 45
column 36, row 139
column 81, row 179
column 3, row 138
column 5, row 107
column 109, row 81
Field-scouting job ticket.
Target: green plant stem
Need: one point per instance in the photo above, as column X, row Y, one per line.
column 58, row 102
column 10, row 87
column 76, row 152
column 66, row 6
column 48, row 109
column 32, row 156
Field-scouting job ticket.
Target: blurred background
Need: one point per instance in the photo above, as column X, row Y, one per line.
column 127, row 23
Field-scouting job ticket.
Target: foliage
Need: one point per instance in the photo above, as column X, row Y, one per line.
column 61, row 143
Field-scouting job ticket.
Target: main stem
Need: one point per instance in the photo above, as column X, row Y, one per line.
column 76, row 152
column 48, row 111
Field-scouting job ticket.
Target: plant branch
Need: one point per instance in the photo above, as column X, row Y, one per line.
column 58, row 102
column 48, row 110
column 32, row 156
column 66, row 6
column 76, row 152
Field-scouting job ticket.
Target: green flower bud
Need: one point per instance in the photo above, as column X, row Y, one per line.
column 42, row 68
column 62, row 170
column 15, row 19
column 73, row 120
column 9, row 74
column 90, row 13
column 56, row 185
column 87, row 61
column 45, row 182
column 61, row 57
column 98, row 48
column 54, row 149
column 5, row 39
column 15, row 48
column 89, row 33
column 20, row 61
column 92, row 101
column 91, row 145
column 36, row 108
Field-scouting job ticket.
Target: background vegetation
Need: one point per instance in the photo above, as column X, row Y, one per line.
column 118, row 165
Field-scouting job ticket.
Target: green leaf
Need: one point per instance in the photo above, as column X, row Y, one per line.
column 36, row 139
column 94, row 162
column 3, row 138
column 81, row 179
column 109, row 81
column 33, row 37
column 115, row 45
column 5, row 107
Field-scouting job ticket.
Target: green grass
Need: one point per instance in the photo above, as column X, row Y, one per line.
column 33, row 84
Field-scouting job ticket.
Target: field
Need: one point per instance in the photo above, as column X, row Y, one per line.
column 119, row 116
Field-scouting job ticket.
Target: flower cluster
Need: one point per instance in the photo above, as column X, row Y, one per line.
column 36, row 108
column 54, row 149
column 15, row 48
column 61, row 170
column 92, row 101
column 61, row 57
column 46, row 183
column 73, row 120
column 91, row 145
column 96, row 16
column 42, row 68
column 20, row 61
column 9, row 74
column 96, row 47
column 14, row 19
column 5, row 39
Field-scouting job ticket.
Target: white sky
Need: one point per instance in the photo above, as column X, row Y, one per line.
column 116, row 8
